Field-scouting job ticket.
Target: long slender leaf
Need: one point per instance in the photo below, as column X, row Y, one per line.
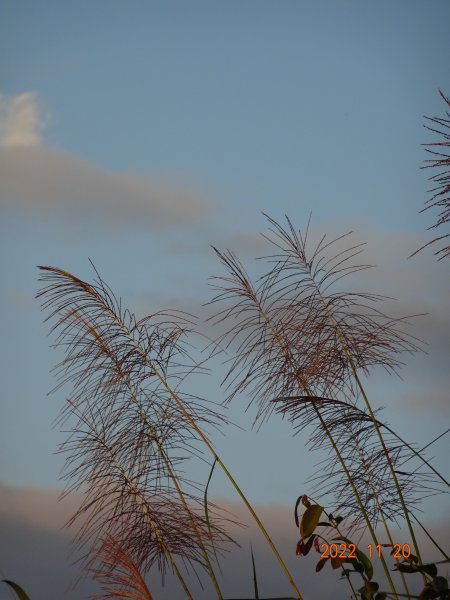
column 255, row 580
column 21, row 594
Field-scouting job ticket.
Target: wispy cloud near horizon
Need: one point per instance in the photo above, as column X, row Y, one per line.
column 42, row 182
column 36, row 552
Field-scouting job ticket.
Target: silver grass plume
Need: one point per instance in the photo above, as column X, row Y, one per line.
column 297, row 341
column 128, row 438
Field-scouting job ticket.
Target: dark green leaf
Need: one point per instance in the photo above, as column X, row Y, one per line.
column 429, row 569
column 438, row 588
column 365, row 595
column 320, row 564
column 357, row 565
column 363, row 559
column 297, row 524
column 440, row 584
column 381, row 596
column 372, row 586
column 427, row 592
column 405, row 568
column 308, row 545
column 19, row 591
column 255, row 581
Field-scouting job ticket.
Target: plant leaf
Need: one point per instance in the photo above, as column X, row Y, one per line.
column 255, row 580
column 336, row 562
column 429, row 569
column 305, row 501
column 296, row 511
column 310, row 518
column 307, row 547
column 19, row 591
column 405, row 568
column 321, row 563
column 205, row 503
column 365, row 594
column 366, row 563
column 372, row 586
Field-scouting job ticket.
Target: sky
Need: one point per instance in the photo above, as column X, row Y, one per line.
column 138, row 134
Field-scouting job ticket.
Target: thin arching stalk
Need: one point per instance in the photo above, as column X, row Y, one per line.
column 237, row 272
column 181, row 495
column 67, row 290
column 295, row 248
column 294, row 336
column 236, row 487
column 154, row 436
column 143, row 506
column 115, row 427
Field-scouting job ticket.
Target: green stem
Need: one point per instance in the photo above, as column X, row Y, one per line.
column 284, row 348
column 208, row 444
column 185, row 506
column 143, row 505
column 205, row 503
column 161, row 451
column 374, row 420
column 381, row 512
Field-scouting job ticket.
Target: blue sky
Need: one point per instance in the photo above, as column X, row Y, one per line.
column 136, row 134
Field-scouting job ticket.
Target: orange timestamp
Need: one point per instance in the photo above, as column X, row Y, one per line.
column 348, row 551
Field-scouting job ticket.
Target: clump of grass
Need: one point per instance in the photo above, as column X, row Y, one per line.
column 133, row 428
column 301, row 346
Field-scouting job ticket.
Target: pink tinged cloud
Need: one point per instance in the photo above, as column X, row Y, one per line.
column 44, row 183
column 36, row 552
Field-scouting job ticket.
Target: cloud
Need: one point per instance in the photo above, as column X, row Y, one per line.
column 21, row 121
column 35, row 552
column 245, row 244
column 45, row 183
column 42, row 182
column 429, row 398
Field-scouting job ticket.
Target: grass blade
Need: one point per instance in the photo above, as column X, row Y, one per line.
column 255, row 580
column 21, row 594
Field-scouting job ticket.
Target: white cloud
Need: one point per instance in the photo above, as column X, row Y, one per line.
column 21, row 121
column 42, row 182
